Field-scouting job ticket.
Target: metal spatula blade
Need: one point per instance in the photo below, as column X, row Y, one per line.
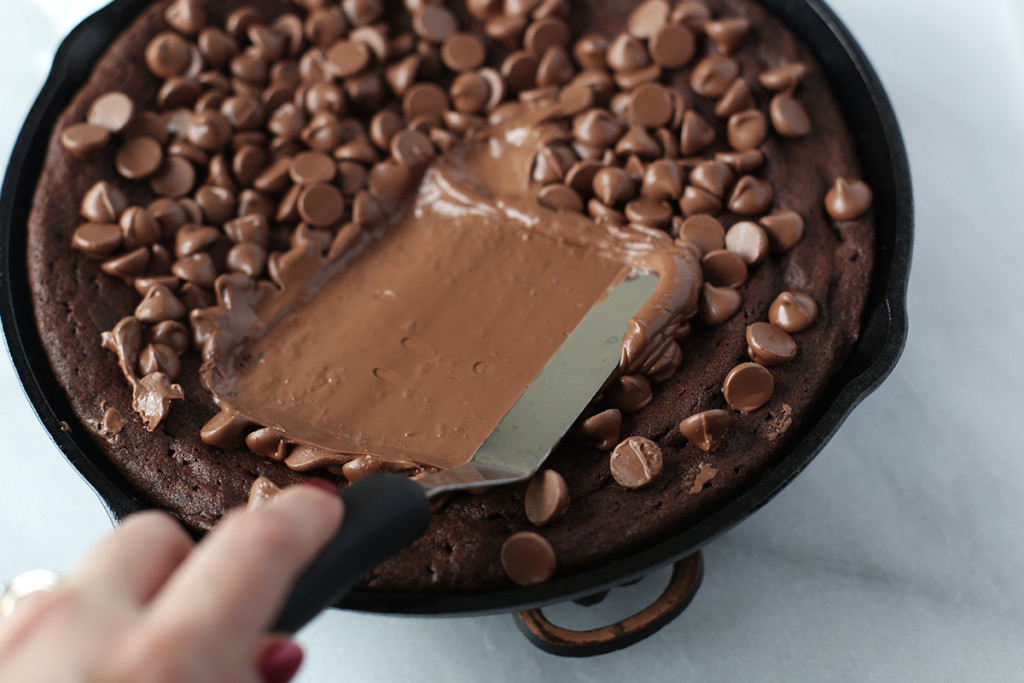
column 385, row 513
column 536, row 423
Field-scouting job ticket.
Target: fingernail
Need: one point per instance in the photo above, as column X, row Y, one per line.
column 280, row 661
column 325, row 486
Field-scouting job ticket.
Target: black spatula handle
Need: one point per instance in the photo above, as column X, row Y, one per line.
column 383, row 514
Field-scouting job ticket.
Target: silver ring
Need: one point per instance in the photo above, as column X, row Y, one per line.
column 24, row 584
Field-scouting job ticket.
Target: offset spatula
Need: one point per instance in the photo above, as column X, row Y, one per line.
column 387, row 512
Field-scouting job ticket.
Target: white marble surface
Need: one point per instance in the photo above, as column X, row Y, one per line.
column 897, row 555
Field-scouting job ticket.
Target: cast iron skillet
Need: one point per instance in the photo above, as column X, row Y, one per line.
column 882, row 154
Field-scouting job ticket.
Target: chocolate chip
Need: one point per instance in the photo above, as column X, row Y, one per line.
column 696, row 134
column 697, row 201
column 196, row 268
column 636, row 462
column 648, row 18
column 629, row 393
column 239, row 20
column 747, row 161
column 769, row 345
column 706, row 232
column 185, row 16
column 463, row 52
column 97, row 240
column 652, row 213
column 434, row 23
column 728, row 33
column 167, row 54
column 217, row 203
column 103, row 203
column 751, row 196
column 505, row 28
column 672, row 46
column 747, row 387
column 547, row 497
column 789, row 117
column 793, row 311
column 138, row 228
column 848, row 199
column 626, row 53
column 544, row 34
column 558, row 197
column 469, row 92
column 597, row 128
column 216, row 46
column 784, row 77
column 734, row 100
column 84, row 140
column 749, row 240
column 555, row 68
column 172, row 334
column 614, row 186
column 412, row 148
column 717, row 304
column 138, row 158
column 424, row 99
column 312, row 167
column 638, row 142
column 691, row 13
column 602, row 213
column 747, row 129
column 325, row 25
column 192, row 238
column 713, row 75
column 628, row 80
column 321, row 205
column 527, row 558
column 127, row 265
column 706, row 430
column 650, row 105
column 589, row 51
column 113, row 111
column 723, row 268
column 713, row 176
column 158, row 305
column 601, row 431
column 784, row 228
column 159, row 358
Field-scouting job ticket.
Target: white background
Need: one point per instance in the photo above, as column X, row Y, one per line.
column 898, row 555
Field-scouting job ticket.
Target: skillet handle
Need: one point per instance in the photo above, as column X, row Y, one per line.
column 384, row 513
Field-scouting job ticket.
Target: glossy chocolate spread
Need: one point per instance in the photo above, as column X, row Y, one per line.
column 412, row 338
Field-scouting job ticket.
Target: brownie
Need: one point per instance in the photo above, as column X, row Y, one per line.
column 175, row 470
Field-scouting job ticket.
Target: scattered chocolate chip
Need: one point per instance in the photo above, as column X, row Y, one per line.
column 113, row 111
column 103, row 203
column 717, row 304
column 672, row 46
column 769, row 345
column 97, row 240
column 547, row 497
column 751, row 196
column 650, row 105
column 321, row 205
column 784, row 77
column 159, row 358
column 614, row 186
column 662, row 180
column 848, row 199
column 601, row 431
column 261, row 492
column 175, row 177
column 186, row 16
column 648, row 17
column 713, row 176
column 749, row 240
column 158, row 305
column 724, row 268
column 705, row 473
column 127, row 265
column 706, row 430
column 412, row 148
column 629, row 393
column 784, row 228
column 706, row 232
column 346, row 58
column 713, row 75
column 139, row 228
column 84, row 140
column 546, row 33
column 559, row 197
column 789, row 118
column 424, row 99
column 727, row 34
column 172, row 334
column 309, row 168
column 793, row 311
column 696, row 134
column 434, row 23
column 734, row 100
column 652, row 213
column 167, row 54
column 697, row 201
column 527, row 558
column 747, row 387
column 636, row 462
column 138, row 158
column 747, row 129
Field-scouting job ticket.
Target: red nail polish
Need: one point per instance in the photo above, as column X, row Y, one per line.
column 280, row 661
column 325, row 486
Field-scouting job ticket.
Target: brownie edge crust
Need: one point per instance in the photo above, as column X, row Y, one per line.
column 176, row 471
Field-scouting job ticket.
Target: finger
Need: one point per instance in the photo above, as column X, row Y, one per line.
column 236, row 580
column 279, row 659
column 136, row 560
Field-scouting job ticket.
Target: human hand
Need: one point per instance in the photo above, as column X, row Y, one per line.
column 148, row 605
